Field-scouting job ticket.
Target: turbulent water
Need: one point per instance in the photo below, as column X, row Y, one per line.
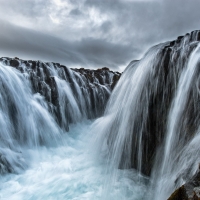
column 39, row 159
column 69, row 171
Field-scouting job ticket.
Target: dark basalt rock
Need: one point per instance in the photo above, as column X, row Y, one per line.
column 95, row 85
column 93, row 82
column 116, row 78
column 179, row 194
column 14, row 63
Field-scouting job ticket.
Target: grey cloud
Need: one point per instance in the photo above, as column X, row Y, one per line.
column 148, row 22
column 128, row 28
column 76, row 12
column 180, row 17
column 28, row 44
column 106, row 26
column 106, row 53
column 27, row 8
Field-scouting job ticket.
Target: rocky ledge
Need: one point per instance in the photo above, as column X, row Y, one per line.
column 188, row 191
column 89, row 88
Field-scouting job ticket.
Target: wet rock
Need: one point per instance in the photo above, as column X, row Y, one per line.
column 189, row 191
column 5, row 166
column 95, row 86
column 14, row 63
column 179, row 194
column 196, row 194
column 116, row 78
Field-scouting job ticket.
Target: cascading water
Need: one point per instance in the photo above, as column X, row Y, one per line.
column 43, row 160
column 67, row 171
column 126, row 112
column 23, row 120
column 70, row 95
column 180, row 159
column 37, row 103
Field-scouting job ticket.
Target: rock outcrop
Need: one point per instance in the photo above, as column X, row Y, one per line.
column 89, row 88
column 188, row 191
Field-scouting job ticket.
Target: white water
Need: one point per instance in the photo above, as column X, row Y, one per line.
column 69, row 171
column 126, row 112
column 180, row 159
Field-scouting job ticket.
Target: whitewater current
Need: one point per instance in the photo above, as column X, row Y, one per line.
column 70, row 171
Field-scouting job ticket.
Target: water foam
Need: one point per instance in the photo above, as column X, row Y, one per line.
column 69, row 171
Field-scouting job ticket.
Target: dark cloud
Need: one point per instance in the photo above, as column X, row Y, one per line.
column 92, row 33
column 90, row 52
column 106, row 26
column 76, row 12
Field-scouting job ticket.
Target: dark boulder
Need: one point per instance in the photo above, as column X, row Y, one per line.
column 179, row 194
column 14, row 63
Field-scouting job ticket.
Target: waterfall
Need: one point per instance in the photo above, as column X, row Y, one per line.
column 120, row 130
column 180, row 159
column 152, row 117
column 39, row 100
column 126, row 111
column 24, row 119
column 74, row 137
column 39, row 159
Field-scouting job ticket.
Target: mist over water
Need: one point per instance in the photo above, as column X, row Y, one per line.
column 69, row 171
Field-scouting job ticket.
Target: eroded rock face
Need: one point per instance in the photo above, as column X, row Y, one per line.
column 179, row 194
column 95, row 80
column 90, row 89
column 172, row 59
column 103, row 76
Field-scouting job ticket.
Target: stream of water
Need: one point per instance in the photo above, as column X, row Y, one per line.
column 70, row 171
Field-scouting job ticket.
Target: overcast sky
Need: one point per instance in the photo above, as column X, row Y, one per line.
column 92, row 33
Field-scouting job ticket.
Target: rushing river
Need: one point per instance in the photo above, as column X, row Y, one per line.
column 70, row 171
